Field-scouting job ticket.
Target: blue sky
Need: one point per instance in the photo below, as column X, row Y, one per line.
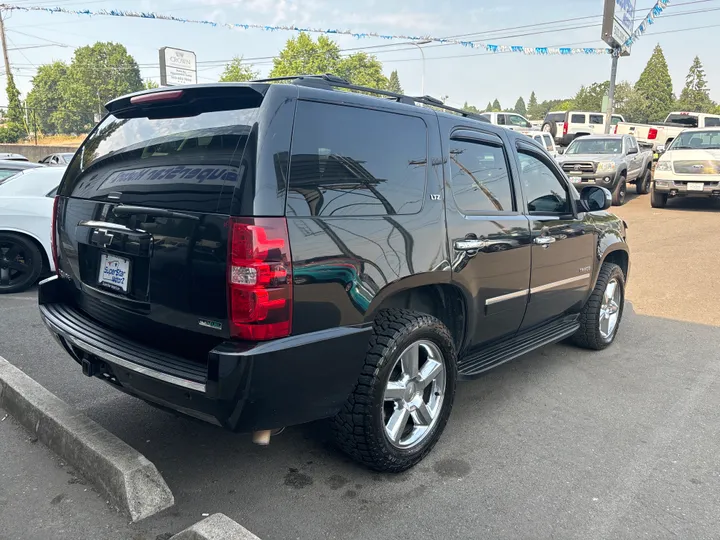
column 450, row 70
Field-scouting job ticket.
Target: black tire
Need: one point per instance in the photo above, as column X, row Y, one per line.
column 589, row 335
column 642, row 185
column 359, row 428
column 658, row 200
column 551, row 128
column 21, row 263
column 618, row 198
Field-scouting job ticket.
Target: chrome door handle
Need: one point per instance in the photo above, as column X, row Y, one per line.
column 544, row 240
column 470, row 244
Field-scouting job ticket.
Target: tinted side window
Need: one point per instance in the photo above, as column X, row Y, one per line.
column 615, row 120
column 480, row 178
column 577, row 119
column 597, row 119
column 544, row 191
column 712, row 122
column 501, row 119
column 348, row 161
column 548, row 142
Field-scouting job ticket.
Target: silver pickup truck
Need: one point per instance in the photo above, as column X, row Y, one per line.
column 610, row 161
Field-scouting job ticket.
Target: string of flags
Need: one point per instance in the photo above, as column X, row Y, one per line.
column 540, row 51
column 656, row 10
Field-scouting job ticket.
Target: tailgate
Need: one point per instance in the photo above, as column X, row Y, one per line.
column 142, row 219
column 640, row 131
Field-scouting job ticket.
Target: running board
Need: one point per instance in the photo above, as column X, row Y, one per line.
column 476, row 363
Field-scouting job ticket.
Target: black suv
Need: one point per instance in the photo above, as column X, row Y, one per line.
column 261, row 255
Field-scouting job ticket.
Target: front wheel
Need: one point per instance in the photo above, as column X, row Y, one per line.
column 405, row 393
column 642, row 185
column 601, row 316
column 658, row 200
column 618, row 198
column 21, row 263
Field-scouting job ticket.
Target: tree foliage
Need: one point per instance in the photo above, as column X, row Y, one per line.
column 394, row 83
column 532, row 107
column 695, row 96
column 45, row 98
column 520, row 107
column 590, row 98
column 496, row 106
column 14, row 128
column 149, row 84
column 303, row 55
column 471, row 108
column 237, row 71
column 655, row 88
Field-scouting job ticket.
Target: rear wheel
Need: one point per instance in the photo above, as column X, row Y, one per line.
column 601, row 316
column 551, row 128
column 658, row 200
column 642, row 185
column 405, row 393
column 20, row 263
column 618, row 198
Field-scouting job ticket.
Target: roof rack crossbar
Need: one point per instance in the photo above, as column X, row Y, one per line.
column 329, row 81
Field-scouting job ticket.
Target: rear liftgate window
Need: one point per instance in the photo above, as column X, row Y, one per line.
column 187, row 157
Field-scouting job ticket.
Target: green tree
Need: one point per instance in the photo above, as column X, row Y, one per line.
column 489, row 107
column 565, row 105
column 520, row 106
column 394, row 83
column 303, row 55
column 237, row 71
column 471, row 108
column 45, row 98
column 496, row 106
column 695, row 96
column 532, row 107
column 14, row 128
column 149, row 84
column 628, row 102
column 655, row 88
column 590, row 98
column 97, row 74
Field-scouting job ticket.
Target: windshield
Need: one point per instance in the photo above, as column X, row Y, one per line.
column 595, row 146
column 697, row 140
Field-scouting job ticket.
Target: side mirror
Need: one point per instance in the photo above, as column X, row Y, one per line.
column 595, row 198
column 561, row 150
column 660, row 149
column 632, row 151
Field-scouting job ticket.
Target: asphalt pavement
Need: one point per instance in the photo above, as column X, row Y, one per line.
column 561, row 443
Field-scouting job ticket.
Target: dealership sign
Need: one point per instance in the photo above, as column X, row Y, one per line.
column 618, row 23
column 177, row 67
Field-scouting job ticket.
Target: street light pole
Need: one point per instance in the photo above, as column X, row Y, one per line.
column 418, row 45
column 611, row 90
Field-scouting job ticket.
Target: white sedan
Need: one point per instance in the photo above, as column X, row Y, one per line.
column 26, row 207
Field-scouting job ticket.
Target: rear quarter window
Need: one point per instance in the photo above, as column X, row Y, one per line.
column 349, row 161
column 712, row 122
column 577, row 118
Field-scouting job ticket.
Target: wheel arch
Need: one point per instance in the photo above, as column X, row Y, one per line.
column 47, row 259
column 616, row 254
column 443, row 300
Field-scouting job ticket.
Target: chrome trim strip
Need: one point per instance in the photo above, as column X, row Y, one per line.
column 560, row 283
column 504, row 297
column 148, row 372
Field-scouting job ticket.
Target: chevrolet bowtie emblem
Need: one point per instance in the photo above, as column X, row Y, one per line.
column 102, row 237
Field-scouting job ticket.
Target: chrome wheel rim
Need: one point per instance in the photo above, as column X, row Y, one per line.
column 610, row 309
column 546, row 128
column 414, row 394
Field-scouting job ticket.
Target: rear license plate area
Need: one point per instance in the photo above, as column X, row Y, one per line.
column 114, row 272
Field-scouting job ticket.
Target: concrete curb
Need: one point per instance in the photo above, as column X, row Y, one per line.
column 215, row 527
column 121, row 473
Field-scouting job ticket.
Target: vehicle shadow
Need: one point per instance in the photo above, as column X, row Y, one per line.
column 691, row 204
column 539, row 439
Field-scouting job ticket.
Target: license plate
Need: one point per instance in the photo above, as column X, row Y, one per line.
column 576, row 180
column 695, row 186
column 114, row 272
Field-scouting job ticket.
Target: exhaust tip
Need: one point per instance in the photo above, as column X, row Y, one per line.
column 262, row 438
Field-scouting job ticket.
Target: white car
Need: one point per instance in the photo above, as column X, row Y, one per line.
column 26, row 207
column 547, row 141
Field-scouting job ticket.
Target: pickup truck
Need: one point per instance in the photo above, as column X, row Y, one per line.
column 662, row 134
column 610, row 161
column 511, row 121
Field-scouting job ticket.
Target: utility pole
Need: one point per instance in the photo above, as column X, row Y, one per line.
column 4, row 45
column 611, row 90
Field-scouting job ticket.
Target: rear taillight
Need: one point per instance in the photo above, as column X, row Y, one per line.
column 652, row 133
column 565, row 128
column 53, row 235
column 259, row 279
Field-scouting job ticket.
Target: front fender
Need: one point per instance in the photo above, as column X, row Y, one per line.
column 611, row 241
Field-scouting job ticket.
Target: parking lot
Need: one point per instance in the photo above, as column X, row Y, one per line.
column 562, row 443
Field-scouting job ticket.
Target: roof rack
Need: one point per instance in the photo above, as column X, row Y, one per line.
column 329, row 81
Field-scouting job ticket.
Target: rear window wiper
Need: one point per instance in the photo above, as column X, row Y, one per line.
column 128, row 210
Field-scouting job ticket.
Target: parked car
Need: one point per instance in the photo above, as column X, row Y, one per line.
column 611, row 161
column 690, row 167
column 26, row 205
column 62, row 159
column 566, row 126
column 662, row 134
column 12, row 157
column 457, row 245
column 547, row 141
column 512, row 121
column 10, row 168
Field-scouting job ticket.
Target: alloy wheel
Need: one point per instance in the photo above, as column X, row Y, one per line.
column 610, row 309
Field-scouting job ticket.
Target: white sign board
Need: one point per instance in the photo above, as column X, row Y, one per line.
column 177, row 67
column 618, row 23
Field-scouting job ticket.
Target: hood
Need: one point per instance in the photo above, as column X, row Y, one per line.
column 691, row 155
column 589, row 157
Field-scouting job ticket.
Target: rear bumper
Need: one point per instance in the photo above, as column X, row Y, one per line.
column 240, row 386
